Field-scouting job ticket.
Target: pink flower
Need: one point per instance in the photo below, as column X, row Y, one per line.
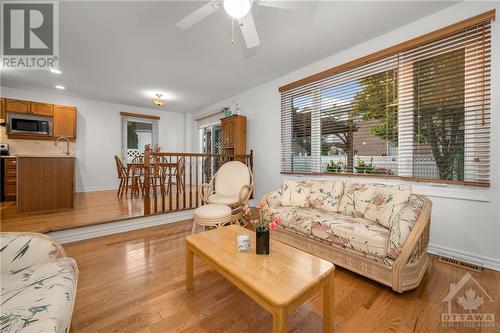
column 246, row 210
column 265, row 207
column 273, row 226
column 277, row 219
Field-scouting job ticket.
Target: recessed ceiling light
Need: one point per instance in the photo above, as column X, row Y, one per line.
column 55, row 71
column 60, row 87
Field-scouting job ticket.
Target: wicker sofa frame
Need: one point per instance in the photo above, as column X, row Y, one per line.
column 406, row 272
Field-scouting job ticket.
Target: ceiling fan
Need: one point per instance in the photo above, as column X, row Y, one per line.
column 239, row 10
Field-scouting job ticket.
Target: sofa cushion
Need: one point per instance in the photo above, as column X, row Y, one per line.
column 272, row 199
column 296, row 193
column 326, row 194
column 356, row 198
column 39, row 298
column 355, row 233
column 402, row 224
column 386, row 203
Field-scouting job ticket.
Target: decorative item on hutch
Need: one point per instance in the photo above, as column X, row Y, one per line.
column 265, row 222
column 227, row 111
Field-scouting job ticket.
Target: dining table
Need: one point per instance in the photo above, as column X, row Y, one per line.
column 136, row 170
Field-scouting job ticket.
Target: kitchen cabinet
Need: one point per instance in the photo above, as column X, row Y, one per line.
column 64, row 121
column 42, row 109
column 45, row 183
column 16, row 105
column 63, row 118
column 9, row 181
column 2, row 108
column 233, row 131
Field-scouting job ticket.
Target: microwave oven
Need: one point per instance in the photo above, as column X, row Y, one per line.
column 29, row 124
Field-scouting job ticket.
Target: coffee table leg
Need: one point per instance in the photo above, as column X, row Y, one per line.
column 328, row 306
column 280, row 321
column 189, row 268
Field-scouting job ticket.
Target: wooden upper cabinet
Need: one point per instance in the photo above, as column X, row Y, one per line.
column 2, row 108
column 42, row 109
column 64, row 121
column 16, row 105
column 233, row 130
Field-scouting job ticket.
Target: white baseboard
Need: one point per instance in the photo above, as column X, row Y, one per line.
column 98, row 230
column 486, row 262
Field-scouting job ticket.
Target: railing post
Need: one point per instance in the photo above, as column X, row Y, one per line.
column 147, row 180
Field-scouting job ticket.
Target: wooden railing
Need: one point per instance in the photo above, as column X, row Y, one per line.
column 172, row 181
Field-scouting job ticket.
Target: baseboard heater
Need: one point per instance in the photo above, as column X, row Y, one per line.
column 460, row 263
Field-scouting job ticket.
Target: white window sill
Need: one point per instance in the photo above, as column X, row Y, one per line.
column 429, row 189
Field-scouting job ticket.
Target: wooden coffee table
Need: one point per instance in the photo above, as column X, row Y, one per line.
column 279, row 282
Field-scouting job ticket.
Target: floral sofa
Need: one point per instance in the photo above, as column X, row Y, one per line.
column 38, row 284
column 379, row 231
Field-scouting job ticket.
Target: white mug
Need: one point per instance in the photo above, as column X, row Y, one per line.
column 243, row 242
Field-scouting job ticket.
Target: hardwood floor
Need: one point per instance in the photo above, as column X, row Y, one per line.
column 90, row 208
column 134, row 282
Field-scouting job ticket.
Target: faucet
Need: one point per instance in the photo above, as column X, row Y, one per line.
column 67, row 143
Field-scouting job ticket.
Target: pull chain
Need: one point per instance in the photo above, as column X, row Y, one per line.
column 232, row 32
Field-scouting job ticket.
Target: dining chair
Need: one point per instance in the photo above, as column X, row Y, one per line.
column 178, row 174
column 123, row 176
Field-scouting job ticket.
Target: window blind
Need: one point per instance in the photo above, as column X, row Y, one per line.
column 420, row 112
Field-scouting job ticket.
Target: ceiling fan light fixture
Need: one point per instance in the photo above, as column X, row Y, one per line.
column 158, row 100
column 237, row 8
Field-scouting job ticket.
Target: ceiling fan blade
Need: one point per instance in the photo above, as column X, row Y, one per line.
column 247, row 26
column 198, row 15
column 289, row 5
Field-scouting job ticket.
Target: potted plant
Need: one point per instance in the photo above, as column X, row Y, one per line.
column 333, row 166
column 265, row 222
column 364, row 167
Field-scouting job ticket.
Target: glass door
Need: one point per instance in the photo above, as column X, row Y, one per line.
column 211, row 142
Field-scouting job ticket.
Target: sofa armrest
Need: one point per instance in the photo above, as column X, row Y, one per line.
column 272, row 199
column 415, row 244
column 23, row 249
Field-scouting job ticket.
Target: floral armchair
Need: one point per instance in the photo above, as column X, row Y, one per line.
column 38, row 284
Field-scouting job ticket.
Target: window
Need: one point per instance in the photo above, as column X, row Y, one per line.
column 420, row 112
column 137, row 133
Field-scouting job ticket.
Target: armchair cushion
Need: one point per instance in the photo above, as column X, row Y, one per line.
column 39, row 298
column 231, row 177
column 296, row 193
column 223, row 199
column 20, row 250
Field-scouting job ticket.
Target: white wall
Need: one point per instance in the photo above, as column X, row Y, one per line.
column 98, row 135
column 465, row 221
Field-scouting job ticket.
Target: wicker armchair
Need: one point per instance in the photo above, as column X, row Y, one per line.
column 232, row 185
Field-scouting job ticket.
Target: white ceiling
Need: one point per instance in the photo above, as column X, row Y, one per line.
column 119, row 51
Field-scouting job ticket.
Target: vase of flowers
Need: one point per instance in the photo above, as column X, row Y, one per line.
column 266, row 221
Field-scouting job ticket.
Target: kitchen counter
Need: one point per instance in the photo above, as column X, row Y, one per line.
column 45, row 182
column 46, row 156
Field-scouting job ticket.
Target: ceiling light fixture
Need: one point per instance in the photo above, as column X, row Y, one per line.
column 158, row 100
column 55, row 71
column 60, row 87
column 237, row 8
